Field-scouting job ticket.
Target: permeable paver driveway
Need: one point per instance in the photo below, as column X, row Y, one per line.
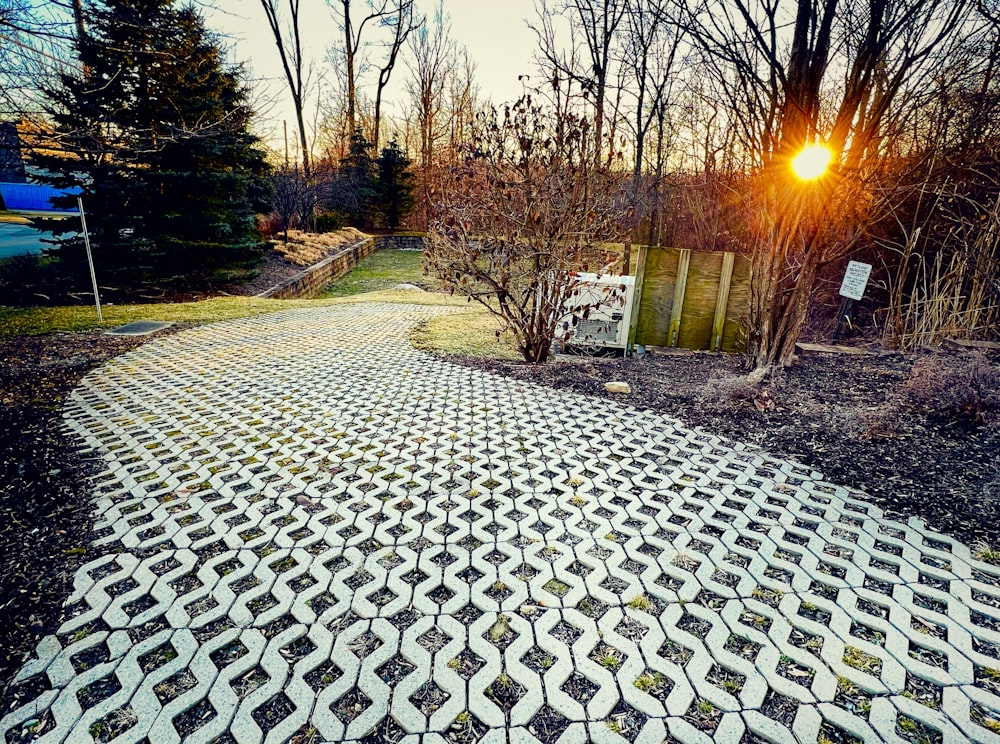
column 310, row 532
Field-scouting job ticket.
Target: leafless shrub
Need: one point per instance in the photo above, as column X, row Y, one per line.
column 516, row 222
column 723, row 391
column 962, row 388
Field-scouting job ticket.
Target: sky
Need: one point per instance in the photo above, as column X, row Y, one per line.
column 495, row 33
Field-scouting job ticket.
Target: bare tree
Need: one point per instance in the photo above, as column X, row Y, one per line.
column 598, row 21
column 650, row 51
column 400, row 24
column 395, row 16
column 293, row 196
column 463, row 95
column 521, row 218
column 432, row 65
column 790, row 72
column 35, row 46
column 289, row 43
column 432, row 61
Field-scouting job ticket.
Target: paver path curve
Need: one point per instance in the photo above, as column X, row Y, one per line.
column 310, row 532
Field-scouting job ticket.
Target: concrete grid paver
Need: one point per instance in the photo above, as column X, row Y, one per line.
column 306, row 526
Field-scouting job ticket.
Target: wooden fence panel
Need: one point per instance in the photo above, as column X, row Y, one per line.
column 699, row 300
column 656, row 299
column 703, row 293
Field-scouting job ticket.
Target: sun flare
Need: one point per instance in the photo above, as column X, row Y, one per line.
column 812, row 162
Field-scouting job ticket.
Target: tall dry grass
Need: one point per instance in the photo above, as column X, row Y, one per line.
column 947, row 283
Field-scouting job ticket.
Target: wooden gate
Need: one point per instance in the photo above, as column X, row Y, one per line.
column 690, row 299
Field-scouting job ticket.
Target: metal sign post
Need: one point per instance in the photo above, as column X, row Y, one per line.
column 851, row 288
column 90, row 259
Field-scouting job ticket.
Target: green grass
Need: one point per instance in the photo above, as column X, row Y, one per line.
column 380, row 271
column 472, row 333
column 34, row 321
column 38, row 320
column 469, row 334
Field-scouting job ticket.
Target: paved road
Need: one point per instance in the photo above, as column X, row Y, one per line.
column 309, row 532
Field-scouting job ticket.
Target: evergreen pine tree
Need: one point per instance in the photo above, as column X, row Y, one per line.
column 395, row 185
column 155, row 131
column 355, row 191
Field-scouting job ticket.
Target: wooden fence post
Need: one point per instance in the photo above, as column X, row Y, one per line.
column 722, row 300
column 640, row 277
column 680, row 287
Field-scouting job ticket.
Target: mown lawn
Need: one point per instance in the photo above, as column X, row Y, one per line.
column 380, row 271
column 471, row 333
column 38, row 320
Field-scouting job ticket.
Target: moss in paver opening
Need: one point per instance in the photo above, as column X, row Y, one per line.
column 985, row 717
column 795, row 672
column 858, row 659
column 607, row 656
column 742, row 646
column 557, row 587
column 923, row 691
column 653, row 683
column 505, row 691
column 466, row 729
column 726, row 679
column 114, row 724
column 538, row 660
column 704, row 716
column 642, row 602
column 916, row 732
column 852, row 698
column 986, row 553
column 988, row 678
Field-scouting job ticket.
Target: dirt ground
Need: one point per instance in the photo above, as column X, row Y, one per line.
column 848, row 417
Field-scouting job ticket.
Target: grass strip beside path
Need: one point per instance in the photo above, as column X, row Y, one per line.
column 471, row 334
column 39, row 320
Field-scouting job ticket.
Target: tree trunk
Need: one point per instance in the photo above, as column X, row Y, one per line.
column 790, row 246
column 302, row 136
column 81, row 25
column 349, row 62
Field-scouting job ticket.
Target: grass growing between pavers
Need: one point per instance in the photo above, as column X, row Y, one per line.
column 38, row 320
column 380, row 271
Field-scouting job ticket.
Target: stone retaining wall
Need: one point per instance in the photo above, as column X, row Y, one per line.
column 311, row 281
column 402, row 242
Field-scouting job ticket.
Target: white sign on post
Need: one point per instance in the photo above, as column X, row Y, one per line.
column 855, row 280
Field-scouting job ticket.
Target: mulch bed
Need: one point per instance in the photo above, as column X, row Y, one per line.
column 45, row 498
column 844, row 416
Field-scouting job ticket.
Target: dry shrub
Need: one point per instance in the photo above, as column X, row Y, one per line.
column 722, row 391
column 305, row 249
column 962, row 388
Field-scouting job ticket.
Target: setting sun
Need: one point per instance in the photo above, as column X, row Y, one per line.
column 812, row 162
